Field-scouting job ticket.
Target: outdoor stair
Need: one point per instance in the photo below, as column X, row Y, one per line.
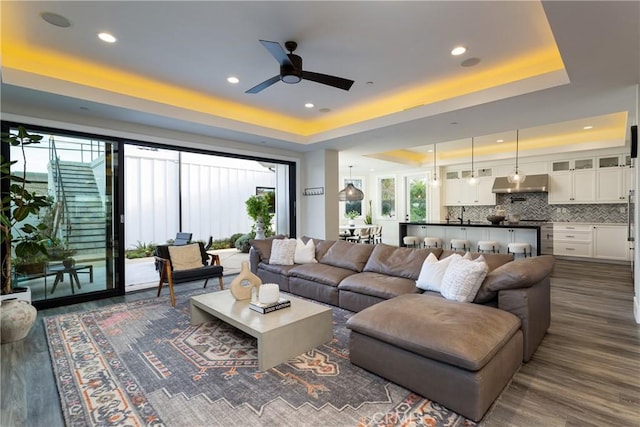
column 84, row 207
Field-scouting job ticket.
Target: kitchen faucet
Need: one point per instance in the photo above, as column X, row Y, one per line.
column 461, row 217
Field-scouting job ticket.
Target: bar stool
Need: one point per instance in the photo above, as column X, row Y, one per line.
column 519, row 248
column 488, row 246
column 460, row 245
column 411, row 241
column 432, row 242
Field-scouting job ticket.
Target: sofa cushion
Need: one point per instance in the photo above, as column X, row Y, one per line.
column 321, row 273
column 522, row 273
column 378, row 285
column 432, row 272
column 276, row 268
column 400, row 262
column 347, row 255
column 322, row 246
column 185, row 257
column 493, row 260
column 463, row 278
column 263, row 246
column 463, row 335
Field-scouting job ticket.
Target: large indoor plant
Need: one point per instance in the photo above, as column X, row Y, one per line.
column 258, row 208
column 17, row 235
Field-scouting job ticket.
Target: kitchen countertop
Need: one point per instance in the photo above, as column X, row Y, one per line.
column 529, row 225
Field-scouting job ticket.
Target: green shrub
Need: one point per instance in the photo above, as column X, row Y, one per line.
column 242, row 243
column 142, row 250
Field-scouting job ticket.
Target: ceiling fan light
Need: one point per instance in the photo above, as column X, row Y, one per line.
column 291, row 78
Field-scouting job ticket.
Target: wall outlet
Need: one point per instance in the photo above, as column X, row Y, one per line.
column 564, row 210
column 558, row 210
column 623, row 209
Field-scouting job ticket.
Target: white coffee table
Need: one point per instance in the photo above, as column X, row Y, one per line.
column 281, row 334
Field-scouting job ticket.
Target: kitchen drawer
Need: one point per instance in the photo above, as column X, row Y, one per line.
column 572, row 235
column 546, row 249
column 579, row 249
column 571, row 227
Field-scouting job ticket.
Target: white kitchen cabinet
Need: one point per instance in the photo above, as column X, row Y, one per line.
column 572, row 181
column 610, row 242
column 504, row 236
column 614, row 178
column 458, row 191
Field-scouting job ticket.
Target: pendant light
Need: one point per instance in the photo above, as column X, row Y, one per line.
column 517, row 177
column 435, row 181
column 350, row 193
column 472, row 179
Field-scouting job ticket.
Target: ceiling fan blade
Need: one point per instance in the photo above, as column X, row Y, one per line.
column 278, row 52
column 265, row 84
column 325, row 79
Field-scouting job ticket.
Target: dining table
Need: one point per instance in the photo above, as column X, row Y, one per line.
column 352, row 228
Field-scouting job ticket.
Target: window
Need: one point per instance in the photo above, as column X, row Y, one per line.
column 356, row 205
column 417, row 198
column 387, row 199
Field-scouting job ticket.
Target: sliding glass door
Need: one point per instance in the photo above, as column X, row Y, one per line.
column 78, row 175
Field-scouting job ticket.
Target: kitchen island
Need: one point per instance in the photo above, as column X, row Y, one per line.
column 476, row 231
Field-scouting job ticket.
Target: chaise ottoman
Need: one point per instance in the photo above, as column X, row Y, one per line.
column 460, row 355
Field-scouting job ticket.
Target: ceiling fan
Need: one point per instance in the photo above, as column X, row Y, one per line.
column 291, row 69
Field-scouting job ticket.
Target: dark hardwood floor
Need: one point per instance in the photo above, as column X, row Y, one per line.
column 585, row 373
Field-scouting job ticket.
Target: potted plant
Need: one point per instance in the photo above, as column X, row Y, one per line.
column 368, row 219
column 351, row 216
column 258, row 208
column 17, row 235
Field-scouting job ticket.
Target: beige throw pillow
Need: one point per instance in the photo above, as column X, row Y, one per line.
column 282, row 251
column 463, row 278
column 185, row 257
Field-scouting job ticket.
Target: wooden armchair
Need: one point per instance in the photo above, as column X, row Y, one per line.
column 186, row 263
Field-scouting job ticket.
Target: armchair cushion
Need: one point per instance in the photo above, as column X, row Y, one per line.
column 185, row 257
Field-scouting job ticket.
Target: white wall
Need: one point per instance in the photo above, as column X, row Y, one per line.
column 319, row 213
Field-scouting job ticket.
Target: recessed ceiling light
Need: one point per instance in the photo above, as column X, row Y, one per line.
column 430, row 151
column 499, row 140
column 309, row 105
column 372, row 170
column 587, row 127
column 458, row 50
column 233, row 80
column 106, row 37
column 470, row 62
column 55, row 19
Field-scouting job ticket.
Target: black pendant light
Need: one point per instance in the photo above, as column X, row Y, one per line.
column 350, row 193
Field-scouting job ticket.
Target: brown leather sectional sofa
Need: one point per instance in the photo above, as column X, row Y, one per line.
column 459, row 354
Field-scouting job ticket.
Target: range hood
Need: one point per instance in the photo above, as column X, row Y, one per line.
column 532, row 184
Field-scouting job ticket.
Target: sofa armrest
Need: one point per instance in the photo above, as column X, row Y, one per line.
column 254, row 260
column 533, row 306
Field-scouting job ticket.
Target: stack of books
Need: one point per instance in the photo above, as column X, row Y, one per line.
column 268, row 308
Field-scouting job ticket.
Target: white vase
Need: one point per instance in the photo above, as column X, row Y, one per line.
column 260, row 229
column 351, row 222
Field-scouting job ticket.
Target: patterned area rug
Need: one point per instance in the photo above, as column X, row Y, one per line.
column 143, row 364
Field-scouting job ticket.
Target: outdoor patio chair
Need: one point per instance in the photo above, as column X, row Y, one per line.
column 182, row 239
column 186, row 263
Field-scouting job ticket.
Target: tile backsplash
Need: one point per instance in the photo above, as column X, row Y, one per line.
column 535, row 206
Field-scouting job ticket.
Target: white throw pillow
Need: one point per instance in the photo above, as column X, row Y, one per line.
column 282, row 251
column 463, row 278
column 432, row 272
column 305, row 254
column 185, row 257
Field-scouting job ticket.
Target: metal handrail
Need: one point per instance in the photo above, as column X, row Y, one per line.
column 59, row 187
